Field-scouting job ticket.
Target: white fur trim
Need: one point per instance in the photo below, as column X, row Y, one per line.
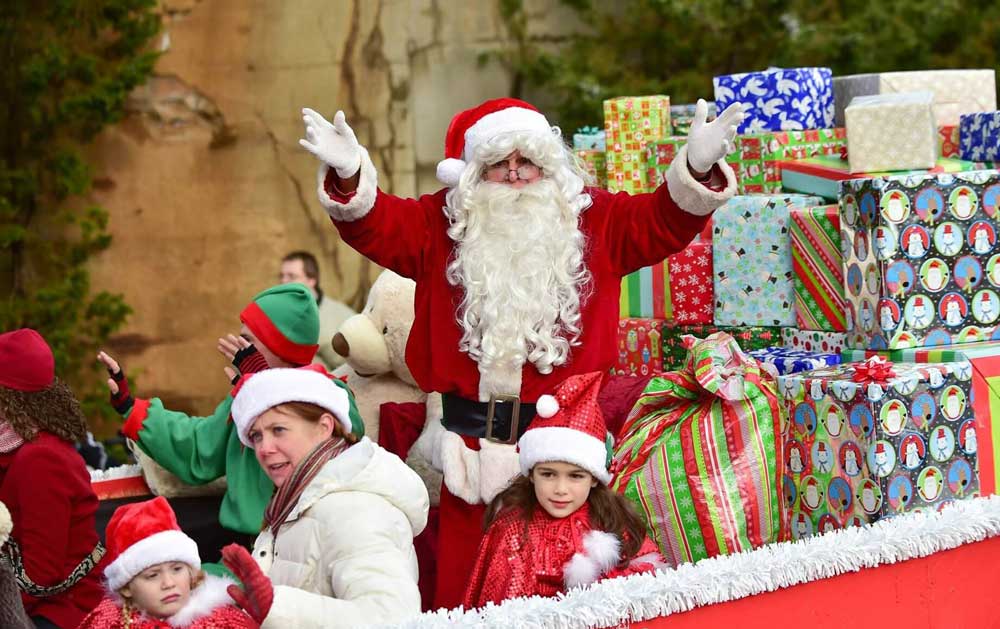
column 641, row 597
column 205, row 599
column 555, row 443
column 547, row 406
column 460, row 467
column 509, row 120
column 693, row 197
column 602, row 551
column 449, row 171
column 364, row 197
column 117, row 472
column 163, row 546
column 6, row 523
column 266, row 389
column 498, row 466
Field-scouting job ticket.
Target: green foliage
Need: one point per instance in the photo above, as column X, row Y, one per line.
column 675, row 47
column 66, row 68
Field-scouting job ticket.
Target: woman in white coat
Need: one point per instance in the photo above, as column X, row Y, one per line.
column 337, row 539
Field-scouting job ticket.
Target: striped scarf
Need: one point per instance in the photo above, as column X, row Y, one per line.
column 287, row 496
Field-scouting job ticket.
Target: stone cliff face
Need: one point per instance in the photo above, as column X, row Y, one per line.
column 208, row 188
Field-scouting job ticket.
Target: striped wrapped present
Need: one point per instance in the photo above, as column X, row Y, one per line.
column 818, row 268
column 700, row 455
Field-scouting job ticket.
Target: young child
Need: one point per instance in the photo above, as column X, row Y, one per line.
column 155, row 577
column 558, row 525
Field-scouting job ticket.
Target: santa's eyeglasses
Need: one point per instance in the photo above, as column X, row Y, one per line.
column 525, row 170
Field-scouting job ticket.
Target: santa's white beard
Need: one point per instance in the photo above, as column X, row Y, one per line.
column 519, row 260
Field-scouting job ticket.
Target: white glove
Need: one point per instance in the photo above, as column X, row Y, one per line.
column 708, row 143
column 334, row 143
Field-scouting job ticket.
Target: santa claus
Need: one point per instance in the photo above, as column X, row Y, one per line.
column 931, row 487
column 518, row 266
column 934, row 279
column 895, row 210
column 963, row 204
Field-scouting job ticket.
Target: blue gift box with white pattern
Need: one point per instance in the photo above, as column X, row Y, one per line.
column 780, row 99
column 979, row 136
column 794, row 360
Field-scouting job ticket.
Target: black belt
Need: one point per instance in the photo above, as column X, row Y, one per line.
column 488, row 420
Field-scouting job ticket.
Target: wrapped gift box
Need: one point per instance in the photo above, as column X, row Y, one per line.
column 646, row 293
column 940, row 354
column 822, row 175
column 955, row 92
column 691, row 289
column 813, row 340
column 594, row 164
column 979, row 136
column 748, row 337
column 681, row 117
column 818, row 265
column 752, row 260
column 589, row 139
column 659, row 155
column 891, row 132
column 639, row 347
column 948, row 140
column 921, row 263
column 779, row 99
column 866, row 443
column 630, row 124
column 983, row 439
column 787, row 361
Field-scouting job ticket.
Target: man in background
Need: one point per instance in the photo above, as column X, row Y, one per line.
column 301, row 266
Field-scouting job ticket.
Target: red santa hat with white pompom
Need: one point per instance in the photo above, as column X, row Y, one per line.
column 472, row 127
column 569, row 428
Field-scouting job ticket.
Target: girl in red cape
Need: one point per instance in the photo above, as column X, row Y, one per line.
column 558, row 526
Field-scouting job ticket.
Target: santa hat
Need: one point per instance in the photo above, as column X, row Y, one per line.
column 269, row 388
column 26, row 361
column 895, row 195
column 143, row 534
column 472, row 127
column 570, row 428
column 963, row 192
column 285, row 319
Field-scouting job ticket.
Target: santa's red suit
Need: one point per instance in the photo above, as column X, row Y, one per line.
column 409, row 236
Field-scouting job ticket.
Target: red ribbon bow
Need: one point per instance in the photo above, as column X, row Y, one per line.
column 875, row 369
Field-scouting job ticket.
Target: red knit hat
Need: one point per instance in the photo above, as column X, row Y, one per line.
column 569, row 428
column 143, row 534
column 472, row 127
column 26, row 362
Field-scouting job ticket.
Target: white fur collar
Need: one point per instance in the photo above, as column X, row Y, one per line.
column 205, row 599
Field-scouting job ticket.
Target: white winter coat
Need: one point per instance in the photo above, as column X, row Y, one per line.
column 345, row 557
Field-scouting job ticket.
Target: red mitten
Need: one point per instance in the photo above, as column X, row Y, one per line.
column 257, row 594
column 122, row 401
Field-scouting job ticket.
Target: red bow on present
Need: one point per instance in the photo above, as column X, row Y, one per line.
column 875, row 369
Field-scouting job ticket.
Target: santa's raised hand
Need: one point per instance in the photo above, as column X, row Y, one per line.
column 335, row 143
column 708, row 142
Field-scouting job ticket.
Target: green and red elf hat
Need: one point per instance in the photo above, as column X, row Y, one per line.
column 286, row 320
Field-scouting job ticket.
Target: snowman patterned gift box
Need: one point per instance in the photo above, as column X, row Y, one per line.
column 875, row 439
column 922, row 265
column 752, row 260
column 788, row 361
column 778, row 99
column 979, row 137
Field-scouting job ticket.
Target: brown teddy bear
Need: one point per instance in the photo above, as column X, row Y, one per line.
column 12, row 614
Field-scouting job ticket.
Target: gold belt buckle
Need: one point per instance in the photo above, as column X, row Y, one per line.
column 514, row 416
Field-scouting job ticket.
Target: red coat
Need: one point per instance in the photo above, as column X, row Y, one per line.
column 408, row 236
column 209, row 608
column 554, row 554
column 46, row 487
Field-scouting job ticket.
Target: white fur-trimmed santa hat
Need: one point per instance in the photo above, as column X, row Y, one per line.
column 312, row 384
column 569, row 428
column 472, row 127
column 143, row 534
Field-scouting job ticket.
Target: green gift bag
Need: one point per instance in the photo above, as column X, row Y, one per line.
column 700, row 454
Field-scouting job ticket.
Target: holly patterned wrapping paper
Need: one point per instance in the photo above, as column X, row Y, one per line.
column 948, row 140
column 812, row 340
column 594, row 164
column 788, row 361
column 870, row 440
column 779, row 99
column 922, row 266
column 630, row 124
column 752, row 260
column 681, row 117
column 956, row 92
column 891, row 132
column 639, row 347
column 979, row 136
column 747, row 337
column 818, row 265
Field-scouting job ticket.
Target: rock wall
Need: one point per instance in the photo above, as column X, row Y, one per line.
column 208, row 188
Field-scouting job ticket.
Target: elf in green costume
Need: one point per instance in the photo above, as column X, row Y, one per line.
column 280, row 329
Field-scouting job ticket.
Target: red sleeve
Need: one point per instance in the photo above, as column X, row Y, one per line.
column 647, row 559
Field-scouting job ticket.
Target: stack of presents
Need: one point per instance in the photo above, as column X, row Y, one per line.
column 858, row 265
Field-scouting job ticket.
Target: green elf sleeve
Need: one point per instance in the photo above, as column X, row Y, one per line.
column 199, row 450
